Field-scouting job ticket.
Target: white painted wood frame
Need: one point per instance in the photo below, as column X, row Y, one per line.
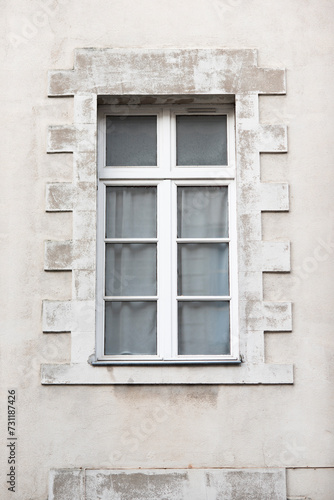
column 167, row 176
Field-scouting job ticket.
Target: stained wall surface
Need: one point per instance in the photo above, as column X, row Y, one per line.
column 260, row 426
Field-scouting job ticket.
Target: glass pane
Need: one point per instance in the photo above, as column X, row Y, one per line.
column 131, row 212
column 202, row 212
column 203, row 269
column 201, row 140
column 131, row 141
column 131, row 328
column 204, row 328
column 131, row 269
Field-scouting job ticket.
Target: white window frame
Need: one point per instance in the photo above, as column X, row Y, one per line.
column 167, row 176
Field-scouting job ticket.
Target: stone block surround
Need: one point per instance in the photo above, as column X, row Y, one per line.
column 167, row 72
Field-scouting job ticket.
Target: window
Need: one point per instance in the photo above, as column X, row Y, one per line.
column 166, row 263
column 193, row 82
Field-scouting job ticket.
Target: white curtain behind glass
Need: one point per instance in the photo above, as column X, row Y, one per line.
column 202, row 212
column 130, row 327
column 131, row 212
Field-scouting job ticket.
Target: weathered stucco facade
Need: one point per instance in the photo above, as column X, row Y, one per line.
column 262, row 429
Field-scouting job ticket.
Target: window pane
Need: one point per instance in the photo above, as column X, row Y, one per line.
column 202, row 212
column 131, row 141
column 131, row 269
column 131, row 212
column 201, row 140
column 131, row 328
column 204, row 328
column 203, row 269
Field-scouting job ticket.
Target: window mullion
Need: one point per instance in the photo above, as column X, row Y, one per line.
column 164, row 140
column 164, row 270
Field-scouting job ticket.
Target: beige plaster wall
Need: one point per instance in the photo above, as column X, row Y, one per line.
column 181, row 426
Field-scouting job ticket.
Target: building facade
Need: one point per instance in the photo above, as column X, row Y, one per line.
column 168, row 248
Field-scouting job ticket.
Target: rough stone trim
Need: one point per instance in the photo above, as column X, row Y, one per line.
column 299, row 498
column 67, row 484
column 276, row 256
column 245, row 373
column 141, row 71
column 174, row 484
column 273, row 139
column 67, row 139
column 265, row 316
column 61, row 139
column 58, row 256
column 167, row 72
column 277, row 316
column 274, row 197
column 59, row 197
column 57, row 316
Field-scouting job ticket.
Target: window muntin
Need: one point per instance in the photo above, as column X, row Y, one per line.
column 176, row 233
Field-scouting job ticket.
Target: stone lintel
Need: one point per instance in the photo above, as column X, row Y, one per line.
column 143, row 71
